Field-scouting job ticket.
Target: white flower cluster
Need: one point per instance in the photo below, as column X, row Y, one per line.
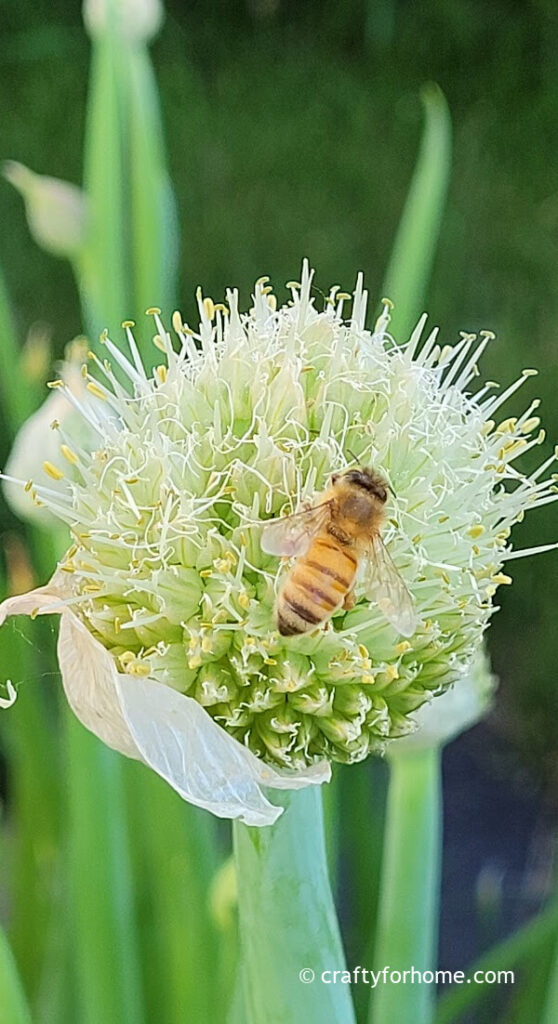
column 166, row 583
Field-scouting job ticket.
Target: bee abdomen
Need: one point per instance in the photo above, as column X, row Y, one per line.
column 314, row 589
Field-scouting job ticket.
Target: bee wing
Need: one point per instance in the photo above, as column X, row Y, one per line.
column 291, row 536
column 384, row 585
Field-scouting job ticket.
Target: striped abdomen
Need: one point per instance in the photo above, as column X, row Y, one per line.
column 316, row 585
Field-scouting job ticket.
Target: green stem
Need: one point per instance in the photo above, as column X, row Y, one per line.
column 174, row 858
column 287, row 918
column 105, row 950
column 17, row 402
column 13, row 1006
column 415, row 244
column 550, row 1010
column 408, row 914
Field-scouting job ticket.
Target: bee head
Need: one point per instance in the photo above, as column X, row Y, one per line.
column 367, row 479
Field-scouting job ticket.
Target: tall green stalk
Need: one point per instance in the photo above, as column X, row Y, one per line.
column 409, row 894
column 13, row 1006
column 412, row 256
column 287, row 918
column 100, row 879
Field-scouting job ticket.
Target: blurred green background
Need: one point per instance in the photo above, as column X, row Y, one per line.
column 293, row 130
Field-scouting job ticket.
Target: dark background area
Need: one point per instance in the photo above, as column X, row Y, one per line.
column 292, row 130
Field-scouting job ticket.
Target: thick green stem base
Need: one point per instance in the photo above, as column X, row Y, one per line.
column 288, row 924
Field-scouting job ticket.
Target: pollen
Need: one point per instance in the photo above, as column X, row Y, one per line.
column 52, row 471
column 69, row 455
column 476, row 531
column 94, row 388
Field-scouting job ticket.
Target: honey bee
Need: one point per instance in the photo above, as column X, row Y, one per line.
column 330, row 542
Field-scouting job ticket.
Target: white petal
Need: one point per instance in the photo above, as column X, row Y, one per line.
column 41, row 601
column 180, row 740
column 89, row 678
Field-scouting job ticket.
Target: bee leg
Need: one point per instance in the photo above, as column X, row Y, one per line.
column 349, row 601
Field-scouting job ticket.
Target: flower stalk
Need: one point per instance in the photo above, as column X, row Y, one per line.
column 106, row 954
column 408, row 914
column 13, row 1006
column 287, row 918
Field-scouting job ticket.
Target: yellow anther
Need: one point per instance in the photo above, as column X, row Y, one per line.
column 244, row 600
column 487, row 334
column 103, row 336
column 128, row 323
column 28, row 485
column 206, row 645
column 445, row 352
column 476, row 531
column 153, row 311
column 67, row 567
column 530, row 424
column 83, row 371
column 53, row 471
column 205, row 573
column 177, row 322
column 209, row 308
column 392, row 672
column 55, row 383
column 307, row 369
column 55, row 425
column 161, row 372
column 272, row 302
column 502, row 578
column 443, row 519
column 270, row 661
column 343, row 296
column 363, row 651
column 293, row 284
column 69, row 454
column 529, row 373
column 94, row 388
column 507, row 426
column 388, row 303
column 159, row 343
column 137, row 668
column 368, row 679
column 511, row 448
column 263, row 281
column 403, row 647
column 34, row 613
column 487, row 427
column 195, row 661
